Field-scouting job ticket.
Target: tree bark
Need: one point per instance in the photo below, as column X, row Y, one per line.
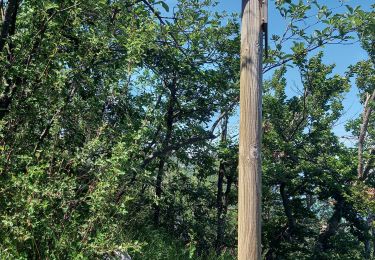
column 9, row 93
column 9, row 22
column 362, row 170
column 332, row 226
column 363, row 131
column 220, row 199
column 169, row 128
column 287, row 210
column 368, row 237
column 8, row 29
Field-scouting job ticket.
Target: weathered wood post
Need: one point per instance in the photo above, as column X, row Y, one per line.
column 249, row 195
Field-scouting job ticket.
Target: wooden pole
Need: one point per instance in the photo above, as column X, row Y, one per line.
column 249, row 185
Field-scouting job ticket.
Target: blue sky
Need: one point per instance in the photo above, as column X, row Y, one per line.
column 340, row 55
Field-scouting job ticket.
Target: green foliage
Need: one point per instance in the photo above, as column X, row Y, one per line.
column 118, row 133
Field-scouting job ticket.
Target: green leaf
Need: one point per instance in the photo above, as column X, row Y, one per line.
column 164, row 5
column 51, row 6
column 349, row 8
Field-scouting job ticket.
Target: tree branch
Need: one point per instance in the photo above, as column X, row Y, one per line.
column 9, row 21
column 162, row 22
column 362, row 134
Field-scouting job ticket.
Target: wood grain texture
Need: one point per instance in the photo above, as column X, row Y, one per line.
column 249, row 209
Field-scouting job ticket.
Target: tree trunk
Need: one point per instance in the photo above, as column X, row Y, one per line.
column 220, row 200
column 158, row 190
column 249, row 185
column 169, row 128
column 362, row 171
column 288, row 210
column 332, row 226
column 8, row 27
column 367, row 110
column 368, row 237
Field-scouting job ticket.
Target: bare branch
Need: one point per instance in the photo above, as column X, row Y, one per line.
column 363, row 131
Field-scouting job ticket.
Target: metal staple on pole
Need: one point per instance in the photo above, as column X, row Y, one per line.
column 265, row 25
